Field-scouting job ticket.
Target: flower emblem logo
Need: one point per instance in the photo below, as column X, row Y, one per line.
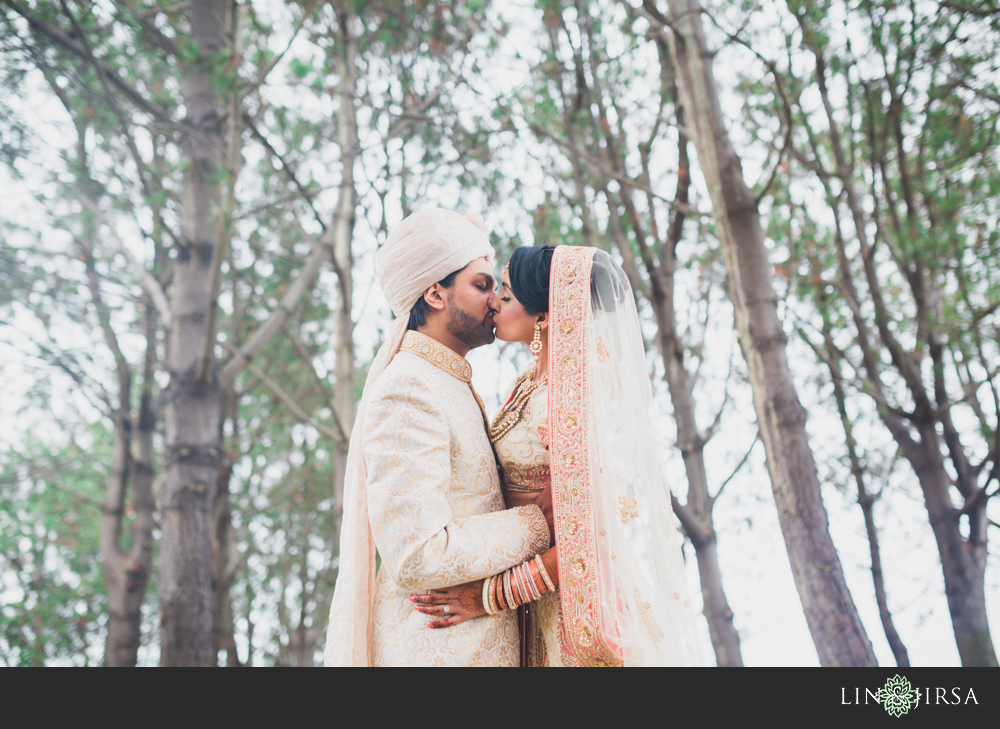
column 897, row 696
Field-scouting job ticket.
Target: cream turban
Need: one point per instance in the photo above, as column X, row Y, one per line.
column 423, row 249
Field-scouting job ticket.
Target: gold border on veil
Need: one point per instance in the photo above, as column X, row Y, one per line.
column 570, row 457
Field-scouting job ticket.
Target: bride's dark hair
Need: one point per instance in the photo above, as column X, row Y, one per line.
column 529, row 269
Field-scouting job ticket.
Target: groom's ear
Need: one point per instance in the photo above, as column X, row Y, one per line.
column 434, row 296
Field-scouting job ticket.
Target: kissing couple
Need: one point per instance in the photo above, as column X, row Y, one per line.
column 542, row 536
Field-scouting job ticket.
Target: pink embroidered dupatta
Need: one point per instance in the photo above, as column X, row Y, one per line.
column 623, row 590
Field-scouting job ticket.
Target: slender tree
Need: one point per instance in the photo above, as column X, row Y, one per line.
column 830, row 612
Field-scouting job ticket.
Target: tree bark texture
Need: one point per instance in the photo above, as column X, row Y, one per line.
column 829, row 609
column 194, row 409
column 342, row 230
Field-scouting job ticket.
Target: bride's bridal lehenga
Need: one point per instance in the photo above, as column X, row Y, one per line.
column 586, row 429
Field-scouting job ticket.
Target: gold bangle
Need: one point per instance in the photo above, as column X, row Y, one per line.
column 519, row 585
column 486, row 596
column 529, row 577
column 544, row 574
column 526, row 580
column 508, row 590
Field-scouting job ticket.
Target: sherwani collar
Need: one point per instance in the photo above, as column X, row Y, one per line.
column 437, row 354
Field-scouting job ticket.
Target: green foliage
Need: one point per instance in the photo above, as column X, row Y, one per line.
column 50, row 577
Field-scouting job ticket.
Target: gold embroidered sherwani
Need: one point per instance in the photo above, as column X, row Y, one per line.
column 436, row 510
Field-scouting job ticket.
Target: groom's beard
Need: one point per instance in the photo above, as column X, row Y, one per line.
column 466, row 328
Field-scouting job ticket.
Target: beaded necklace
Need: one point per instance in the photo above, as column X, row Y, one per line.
column 510, row 413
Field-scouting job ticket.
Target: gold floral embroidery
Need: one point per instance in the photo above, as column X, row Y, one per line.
column 538, row 528
column 526, row 478
column 629, row 508
column 652, row 627
column 677, row 596
column 437, row 354
column 571, row 462
column 603, row 353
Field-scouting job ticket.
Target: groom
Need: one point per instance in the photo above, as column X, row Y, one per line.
column 433, row 494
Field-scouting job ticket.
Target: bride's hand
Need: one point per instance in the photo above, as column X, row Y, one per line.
column 454, row 604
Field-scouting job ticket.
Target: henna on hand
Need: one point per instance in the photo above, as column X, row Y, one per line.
column 470, row 598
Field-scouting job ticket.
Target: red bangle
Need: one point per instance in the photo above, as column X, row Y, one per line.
column 536, row 578
column 498, row 591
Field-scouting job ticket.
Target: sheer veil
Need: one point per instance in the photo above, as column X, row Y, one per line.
column 623, row 588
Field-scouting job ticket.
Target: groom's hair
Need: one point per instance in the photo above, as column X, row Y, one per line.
column 420, row 310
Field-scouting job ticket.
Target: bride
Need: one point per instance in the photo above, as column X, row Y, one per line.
column 612, row 590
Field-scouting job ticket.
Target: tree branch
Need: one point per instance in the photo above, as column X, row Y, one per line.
column 146, row 279
column 337, row 435
column 692, row 526
column 736, row 470
column 259, row 339
column 69, row 44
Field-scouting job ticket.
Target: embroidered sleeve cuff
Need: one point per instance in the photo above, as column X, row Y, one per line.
column 533, row 520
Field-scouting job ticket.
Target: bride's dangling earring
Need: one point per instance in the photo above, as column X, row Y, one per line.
column 536, row 342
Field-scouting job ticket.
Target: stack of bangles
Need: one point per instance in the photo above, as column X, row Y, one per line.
column 520, row 584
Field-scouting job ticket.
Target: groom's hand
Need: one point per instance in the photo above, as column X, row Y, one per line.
column 544, row 502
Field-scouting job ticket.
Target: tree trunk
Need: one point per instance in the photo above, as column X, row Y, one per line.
column 223, row 564
column 830, row 612
column 125, row 575
column 342, row 231
column 963, row 561
column 195, row 404
column 865, row 500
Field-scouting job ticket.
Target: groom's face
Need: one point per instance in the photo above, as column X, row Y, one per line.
column 469, row 302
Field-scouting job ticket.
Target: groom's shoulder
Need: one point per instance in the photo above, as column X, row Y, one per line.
column 407, row 373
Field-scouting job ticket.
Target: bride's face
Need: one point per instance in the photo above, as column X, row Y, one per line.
column 513, row 323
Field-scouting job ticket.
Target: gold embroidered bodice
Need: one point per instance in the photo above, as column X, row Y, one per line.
column 523, row 451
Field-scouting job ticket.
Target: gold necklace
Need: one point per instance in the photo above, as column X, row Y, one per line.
column 510, row 414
